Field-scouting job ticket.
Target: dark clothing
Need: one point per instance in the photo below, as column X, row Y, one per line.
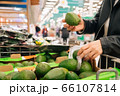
column 45, row 32
column 65, row 33
column 37, row 30
column 111, row 43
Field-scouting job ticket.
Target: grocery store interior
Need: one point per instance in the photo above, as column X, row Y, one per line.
column 32, row 31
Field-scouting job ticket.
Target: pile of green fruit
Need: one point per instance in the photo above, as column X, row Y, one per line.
column 65, row 71
column 24, row 63
column 50, row 58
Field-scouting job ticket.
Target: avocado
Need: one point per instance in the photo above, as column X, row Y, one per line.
column 42, row 69
column 41, row 58
column 18, row 65
column 86, row 74
column 10, row 75
column 71, row 76
column 75, row 54
column 48, row 56
column 30, row 63
column 50, row 60
column 65, row 70
column 2, row 75
column 24, row 75
column 70, row 64
column 25, row 63
column 55, row 74
column 85, row 66
column 72, row 19
column 1, row 63
column 12, row 64
column 63, row 53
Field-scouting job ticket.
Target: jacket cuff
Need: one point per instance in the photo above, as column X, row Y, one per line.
column 81, row 31
column 105, row 45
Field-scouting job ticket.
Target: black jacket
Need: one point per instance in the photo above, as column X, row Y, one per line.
column 65, row 33
column 110, row 43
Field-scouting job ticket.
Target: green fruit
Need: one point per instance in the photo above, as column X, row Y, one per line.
column 1, row 63
column 42, row 69
column 63, row 53
column 70, row 64
column 71, row 76
column 86, row 74
column 75, row 54
column 50, row 60
column 30, row 63
column 40, row 59
column 18, row 65
column 65, row 70
column 2, row 75
column 55, row 74
column 24, row 75
column 72, row 19
column 48, row 56
column 16, row 76
column 85, row 66
column 12, row 64
column 10, row 75
column 25, row 63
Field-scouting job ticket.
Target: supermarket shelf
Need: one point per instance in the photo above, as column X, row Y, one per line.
column 15, row 22
column 12, row 12
column 22, row 52
column 13, row 3
column 19, row 46
column 13, row 17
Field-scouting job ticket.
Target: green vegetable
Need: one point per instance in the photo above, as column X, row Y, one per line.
column 72, row 19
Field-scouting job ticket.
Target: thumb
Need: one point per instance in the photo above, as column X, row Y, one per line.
column 79, row 16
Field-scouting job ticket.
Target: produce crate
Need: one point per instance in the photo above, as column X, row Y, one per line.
column 110, row 73
column 54, row 48
column 6, row 51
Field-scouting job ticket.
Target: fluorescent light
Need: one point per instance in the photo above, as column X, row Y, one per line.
column 7, row 20
column 51, row 3
column 52, row 0
column 22, row 15
column 95, row 5
column 17, row 9
column 86, row 3
column 100, row 2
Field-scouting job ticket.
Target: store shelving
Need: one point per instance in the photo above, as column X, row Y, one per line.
column 6, row 11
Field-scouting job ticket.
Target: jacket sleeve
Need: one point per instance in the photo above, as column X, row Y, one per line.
column 110, row 44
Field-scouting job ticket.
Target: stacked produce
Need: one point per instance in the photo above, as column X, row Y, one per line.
column 16, row 37
column 66, row 70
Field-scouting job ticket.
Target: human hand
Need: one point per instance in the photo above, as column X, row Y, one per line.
column 75, row 28
column 91, row 50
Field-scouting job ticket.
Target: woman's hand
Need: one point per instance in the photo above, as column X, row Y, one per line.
column 75, row 28
column 91, row 50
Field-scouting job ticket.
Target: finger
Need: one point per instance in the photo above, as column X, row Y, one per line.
column 70, row 28
column 63, row 21
column 85, row 53
column 82, row 49
column 79, row 15
column 90, row 55
column 66, row 25
column 94, row 56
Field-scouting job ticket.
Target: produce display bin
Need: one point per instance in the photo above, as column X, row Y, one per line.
column 110, row 73
column 54, row 48
column 6, row 51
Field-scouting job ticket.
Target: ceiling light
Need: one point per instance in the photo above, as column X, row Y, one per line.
column 52, row 0
column 86, row 3
column 50, row 3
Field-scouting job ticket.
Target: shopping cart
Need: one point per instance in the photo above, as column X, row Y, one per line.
column 110, row 72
